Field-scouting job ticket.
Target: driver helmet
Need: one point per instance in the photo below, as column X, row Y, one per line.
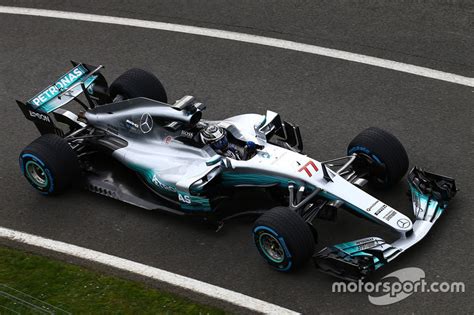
column 215, row 136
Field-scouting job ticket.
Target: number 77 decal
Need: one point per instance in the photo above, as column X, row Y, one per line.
column 306, row 168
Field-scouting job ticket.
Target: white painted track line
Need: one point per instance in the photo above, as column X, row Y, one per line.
column 173, row 279
column 247, row 38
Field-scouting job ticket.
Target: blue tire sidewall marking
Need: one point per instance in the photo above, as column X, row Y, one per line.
column 366, row 151
column 282, row 243
column 369, row 153
column 28, row 156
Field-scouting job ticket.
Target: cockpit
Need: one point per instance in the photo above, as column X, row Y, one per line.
column 225, row 144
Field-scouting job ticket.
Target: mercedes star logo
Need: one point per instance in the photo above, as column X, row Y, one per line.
column 146, row 123
column 403, row 223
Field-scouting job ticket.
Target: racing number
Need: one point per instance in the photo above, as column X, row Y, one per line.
column 306, row 168
column 184, row 198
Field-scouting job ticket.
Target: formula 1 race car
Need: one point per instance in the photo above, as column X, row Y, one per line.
column 128, row 143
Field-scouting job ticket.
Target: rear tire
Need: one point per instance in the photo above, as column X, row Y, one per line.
column 381, row 154
column 49, row 164
column 283, row 239
column 138, row 83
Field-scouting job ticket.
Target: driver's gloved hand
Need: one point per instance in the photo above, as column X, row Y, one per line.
column 249, row 149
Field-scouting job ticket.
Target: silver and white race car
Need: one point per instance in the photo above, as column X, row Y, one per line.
column 129, row 143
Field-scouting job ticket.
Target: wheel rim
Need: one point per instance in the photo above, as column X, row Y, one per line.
column 36, row 174
column 271, row 247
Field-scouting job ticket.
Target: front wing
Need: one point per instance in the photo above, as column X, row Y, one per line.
column 355, row 260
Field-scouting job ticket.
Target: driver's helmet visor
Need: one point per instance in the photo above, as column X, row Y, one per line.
column 220, row 144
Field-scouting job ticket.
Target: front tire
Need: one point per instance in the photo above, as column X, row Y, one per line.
column 380, row 154
column 283, row 239
column 49, row 164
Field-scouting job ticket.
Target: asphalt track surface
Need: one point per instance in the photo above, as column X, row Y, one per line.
column 332, row 100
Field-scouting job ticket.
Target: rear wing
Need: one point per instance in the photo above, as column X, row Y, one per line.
column 83, row 78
